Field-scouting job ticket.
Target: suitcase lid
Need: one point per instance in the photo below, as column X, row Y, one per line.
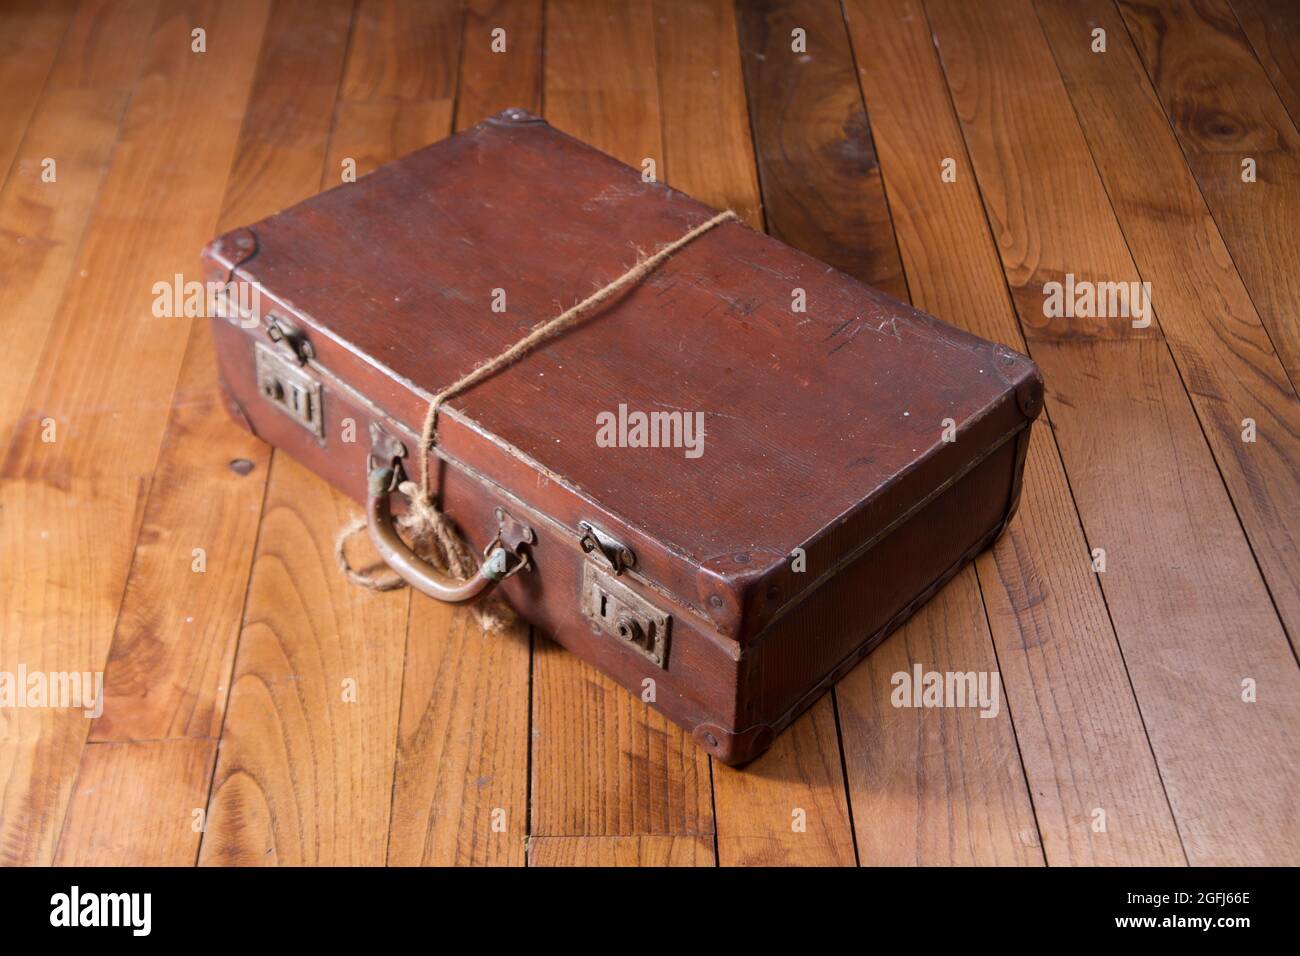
column 821, row 427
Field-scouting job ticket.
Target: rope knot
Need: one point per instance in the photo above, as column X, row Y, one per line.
column 431, row 535
column 432, row 531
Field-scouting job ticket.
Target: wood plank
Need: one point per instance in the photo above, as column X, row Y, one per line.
column 460, row 796
column 709, row 154
column 620, row 851
column 305, row 771
column 788, row 807
column 1224, row 110
column 31, row 33
column 138, row 804
column 816, row 161
column 460, row 793
column 490, row 81
column 1273, row 27
column 940, row 785
column 399, row 87
column 708, row 144
column 1077, row 724
column 604, row 763
column 790, row 96
column 56, row 615
column 169, row 671
column 400, row 71
column 75, row 123
column 109, row 365
column 90, row 369
column 1222, row 351
column 1190, row 609
column 400, row 51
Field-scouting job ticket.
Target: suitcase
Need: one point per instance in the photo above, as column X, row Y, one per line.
column 725, row 486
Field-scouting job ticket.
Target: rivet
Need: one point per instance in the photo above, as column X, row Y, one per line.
column 715, row 601
column 241, row 466
column 740, row 558
column 709, row 739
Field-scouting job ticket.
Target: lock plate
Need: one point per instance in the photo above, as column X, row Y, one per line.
column 614, row 609
column 290, row 389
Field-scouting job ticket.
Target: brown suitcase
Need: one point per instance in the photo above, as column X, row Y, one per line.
column 855, row 454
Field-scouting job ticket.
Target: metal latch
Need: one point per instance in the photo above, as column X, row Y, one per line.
column 293, row 343
column 290, row 389
column 615, row 553
column 613, row 608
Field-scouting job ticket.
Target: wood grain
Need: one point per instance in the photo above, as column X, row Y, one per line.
column 460, row 795
column 603, row 762
column 305, row 771
column 107, row 371
column 934, row 786
column 1077, row 724
column 138, row 804
column 816, row 161
column 31, row 34
column 708, row 144
column 1273, row 27
column 56, row 615
column 709, row 154
column 169, row 671
column 1223, row 353
column 489, row 81
column 1190, row 609
column 1224, row 110
column 74, row 122
column 95, row 371
column 620, row 851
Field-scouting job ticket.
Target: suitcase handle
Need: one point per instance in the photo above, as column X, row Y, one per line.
column 499, row 560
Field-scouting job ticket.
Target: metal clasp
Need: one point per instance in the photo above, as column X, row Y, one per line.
column 293, row 343
column 617, row 555
column 514, row 537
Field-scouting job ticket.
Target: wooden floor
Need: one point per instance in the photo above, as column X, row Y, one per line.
column 957, row 154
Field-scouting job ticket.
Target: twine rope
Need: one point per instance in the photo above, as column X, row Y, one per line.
column 431, row 532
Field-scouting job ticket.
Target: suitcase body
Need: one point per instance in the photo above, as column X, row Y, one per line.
column 733, row 480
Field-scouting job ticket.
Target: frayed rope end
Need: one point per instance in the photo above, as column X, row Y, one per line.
column 431, row 535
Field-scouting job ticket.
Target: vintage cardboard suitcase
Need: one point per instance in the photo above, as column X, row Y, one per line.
column 854, row 453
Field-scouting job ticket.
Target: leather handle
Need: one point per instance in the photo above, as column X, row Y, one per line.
column 413, row 569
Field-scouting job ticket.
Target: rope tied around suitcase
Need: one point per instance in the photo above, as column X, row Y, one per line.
column 432, row 534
